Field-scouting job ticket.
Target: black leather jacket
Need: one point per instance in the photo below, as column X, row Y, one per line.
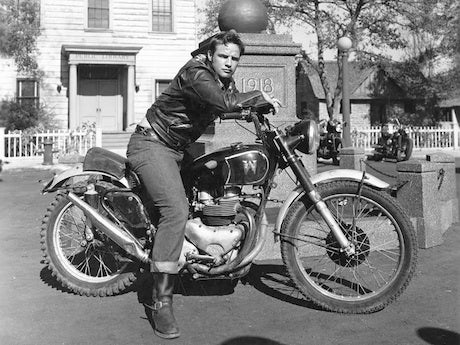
column 193, row 100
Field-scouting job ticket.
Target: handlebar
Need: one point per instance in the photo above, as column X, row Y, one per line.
column 237, row 115
column 252, row 114
column 247, row 113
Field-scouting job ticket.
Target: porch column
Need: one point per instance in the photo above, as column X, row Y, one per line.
column 73, row 115
column 130, row 101
column 456, row 128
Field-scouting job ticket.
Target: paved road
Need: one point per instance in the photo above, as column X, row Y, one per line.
column 36, row 311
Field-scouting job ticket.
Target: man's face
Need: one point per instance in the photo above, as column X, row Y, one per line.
column 225, row 59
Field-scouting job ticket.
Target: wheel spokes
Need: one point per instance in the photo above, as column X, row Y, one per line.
column 94, row 259
column 376, row 238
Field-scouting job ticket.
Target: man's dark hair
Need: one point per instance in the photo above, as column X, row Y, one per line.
column 225, row 37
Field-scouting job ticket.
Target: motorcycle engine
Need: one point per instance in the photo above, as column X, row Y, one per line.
column 217, row 228
column 219, row 211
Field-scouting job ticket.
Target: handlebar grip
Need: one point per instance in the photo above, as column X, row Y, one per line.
column 232, row 116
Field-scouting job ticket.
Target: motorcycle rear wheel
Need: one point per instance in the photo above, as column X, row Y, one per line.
column 91, row 268
column 335, row 154
column 385, row 241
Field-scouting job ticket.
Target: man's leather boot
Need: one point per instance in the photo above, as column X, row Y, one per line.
column 162, row 311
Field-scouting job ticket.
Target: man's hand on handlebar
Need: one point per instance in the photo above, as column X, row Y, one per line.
column 271, row 105
column 273, row 101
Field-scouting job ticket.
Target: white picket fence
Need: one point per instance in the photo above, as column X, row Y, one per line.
column 20, row 144
column 423, row 137
column 24, row 144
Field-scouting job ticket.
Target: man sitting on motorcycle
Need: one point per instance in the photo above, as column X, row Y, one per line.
column 202, row 89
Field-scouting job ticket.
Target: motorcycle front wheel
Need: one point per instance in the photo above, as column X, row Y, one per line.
column 408, row 147
column 92, row 268
column 404, row 152
column 384, row 240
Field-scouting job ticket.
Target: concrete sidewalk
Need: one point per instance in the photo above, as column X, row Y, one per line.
column 32, row 163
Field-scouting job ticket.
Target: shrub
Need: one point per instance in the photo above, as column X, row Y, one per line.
column 16, row 116
column 74, row 141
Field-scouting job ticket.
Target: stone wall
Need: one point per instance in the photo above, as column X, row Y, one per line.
column 429, row 195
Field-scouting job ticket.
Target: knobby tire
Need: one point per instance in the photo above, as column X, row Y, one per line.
column 386, row 246
column 93, row 270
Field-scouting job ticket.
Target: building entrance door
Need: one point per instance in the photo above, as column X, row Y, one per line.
column 100, row 101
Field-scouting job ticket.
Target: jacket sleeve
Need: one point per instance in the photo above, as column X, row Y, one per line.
column 200, row 86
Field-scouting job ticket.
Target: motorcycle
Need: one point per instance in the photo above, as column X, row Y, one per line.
column 393, row 143
column 330, row 140
column 346, row 243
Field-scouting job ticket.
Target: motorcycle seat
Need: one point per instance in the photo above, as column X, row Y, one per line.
column 103, row 160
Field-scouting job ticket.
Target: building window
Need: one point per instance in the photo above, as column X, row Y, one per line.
column 162, row 15
column 98, row 14
column 27, row 92
column 98, row 72
column 160, row 86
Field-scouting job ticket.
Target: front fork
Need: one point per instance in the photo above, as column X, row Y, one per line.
column 305, row 181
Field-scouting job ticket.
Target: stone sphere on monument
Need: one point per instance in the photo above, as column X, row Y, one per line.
column 245, row 16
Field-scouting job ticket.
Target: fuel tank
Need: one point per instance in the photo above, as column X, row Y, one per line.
column 235, row 165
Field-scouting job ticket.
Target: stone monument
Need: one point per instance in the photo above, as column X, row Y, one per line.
column 429, row 195
column 268, row 65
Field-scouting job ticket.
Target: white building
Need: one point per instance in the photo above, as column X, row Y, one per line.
column 105, row 61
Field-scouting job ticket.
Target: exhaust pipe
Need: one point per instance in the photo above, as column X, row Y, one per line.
column 120, row 237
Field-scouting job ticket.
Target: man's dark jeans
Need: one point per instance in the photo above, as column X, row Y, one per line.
column 158, row 167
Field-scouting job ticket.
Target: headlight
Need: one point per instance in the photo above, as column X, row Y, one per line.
column 309, row 129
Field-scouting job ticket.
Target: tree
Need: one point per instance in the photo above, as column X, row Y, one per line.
column 431, row 69
column 434, row 33
column 375, row 27
column 19, row 29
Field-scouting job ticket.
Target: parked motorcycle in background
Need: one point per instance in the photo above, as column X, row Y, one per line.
column 330, row 140
column 394, row 143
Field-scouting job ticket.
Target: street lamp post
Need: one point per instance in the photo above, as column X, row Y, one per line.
column 344, row 44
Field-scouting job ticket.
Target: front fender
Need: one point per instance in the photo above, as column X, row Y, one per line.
column 337, row 174
column 57, row 181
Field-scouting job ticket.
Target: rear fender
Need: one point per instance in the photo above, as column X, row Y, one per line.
column 330, row 175
column 57, row 181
